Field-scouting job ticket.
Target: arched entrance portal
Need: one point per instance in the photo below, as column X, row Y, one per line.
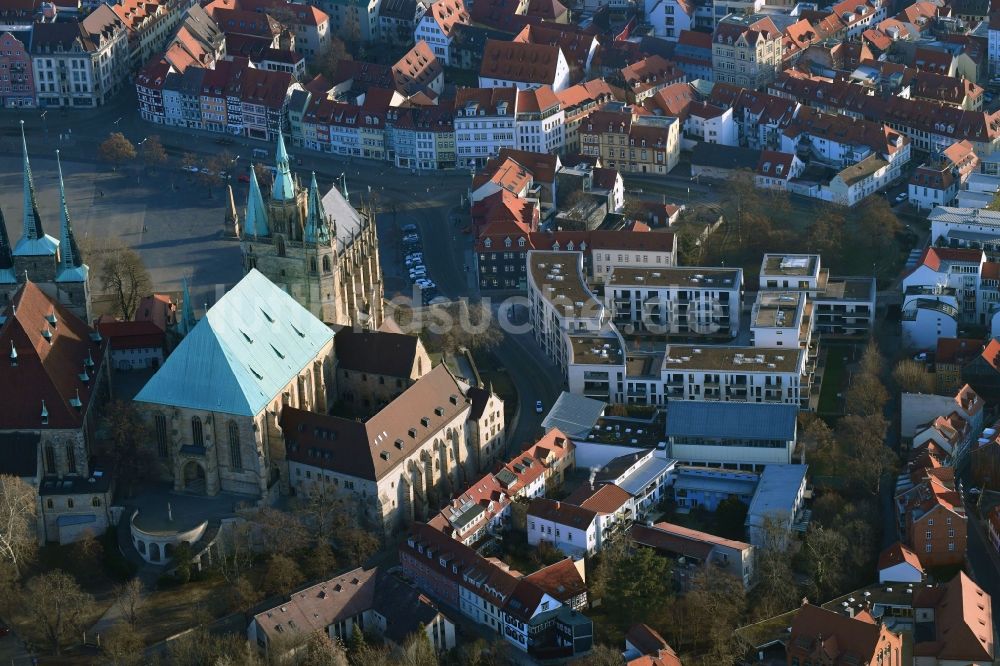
column 194, row 477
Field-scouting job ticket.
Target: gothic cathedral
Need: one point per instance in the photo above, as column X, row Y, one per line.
column 56, row 266
column 320, row 250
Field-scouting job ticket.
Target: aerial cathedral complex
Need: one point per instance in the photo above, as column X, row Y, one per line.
column 320, row 250
column 55, row 266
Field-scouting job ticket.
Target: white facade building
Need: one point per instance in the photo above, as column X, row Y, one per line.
column 682, row 301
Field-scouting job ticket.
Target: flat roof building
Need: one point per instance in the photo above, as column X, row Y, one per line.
column 779, row 496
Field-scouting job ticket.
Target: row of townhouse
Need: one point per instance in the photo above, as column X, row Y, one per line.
column 929, row 124
column 618, row 495
column 67, row 63
column 953, row 423
column 948, row 287
column 483, row 510
column 509, row 231
column 930, row 512
column 522, row 610
column 233, row 98
column 939, row 179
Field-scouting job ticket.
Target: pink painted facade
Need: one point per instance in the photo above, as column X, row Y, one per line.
column 17, row 84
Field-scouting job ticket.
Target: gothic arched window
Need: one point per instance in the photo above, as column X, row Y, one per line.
column 197, row 437
column 160, row 425
column 235, row 455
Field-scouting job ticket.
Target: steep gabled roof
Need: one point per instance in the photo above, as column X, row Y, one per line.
column 45, row 349
column 241, row 354
column 898, row 553
column 391, row 354
column 374, row 448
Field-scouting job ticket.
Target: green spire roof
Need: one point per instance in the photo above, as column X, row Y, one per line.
column 34, row 242
column 283, row 188
column 255, row 223
column 71, row 266
column 187, row 320
column 315, row 231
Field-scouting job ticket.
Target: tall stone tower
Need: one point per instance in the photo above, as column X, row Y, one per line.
column 56, row 266
column 310, row 251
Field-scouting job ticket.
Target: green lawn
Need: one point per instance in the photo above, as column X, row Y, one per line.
column 833, row 379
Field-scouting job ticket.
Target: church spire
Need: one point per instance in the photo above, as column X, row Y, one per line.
column 69, row 253
column 232, row 217
column 343, row 185
column 255, row 221
column 6, row 258
column 283, row 188
column 315, row 231
column 187, row 320
column 33, row 241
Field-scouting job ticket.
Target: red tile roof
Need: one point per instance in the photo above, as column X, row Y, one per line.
column 963, row 622
column 604, row 499
column 957, row 350
column 47, row 370
column 521, row 62
column 561, row 580
column 645, row 639
column 898, row 553
column 132, row 334
column 836, row 638
column 446, row 13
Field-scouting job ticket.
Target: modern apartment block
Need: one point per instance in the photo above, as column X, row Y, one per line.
column 841, row 306
column 687, row 302
column 562, row 305
column 578, row 332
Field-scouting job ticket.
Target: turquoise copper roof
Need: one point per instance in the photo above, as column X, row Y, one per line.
column 283, row 188
column 241, row 354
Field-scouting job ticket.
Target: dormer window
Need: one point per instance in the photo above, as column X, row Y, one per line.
column 520, row 242
column 507, row 242
column 487, row 243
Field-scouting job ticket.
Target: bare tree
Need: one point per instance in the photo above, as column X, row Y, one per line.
column 462, row 324
column 321, row 650
column 127, row 597
column 825, row 551
column 57, row 604
column 127, row 445
column 123, row 646
column 912, row 377
column 871, row 360
column 282, row 574
column 236, row 551
column 124, row 275
column 335, row 54
column 116, row 149
column 866, row 396
column 602, row 655
column 18, row 517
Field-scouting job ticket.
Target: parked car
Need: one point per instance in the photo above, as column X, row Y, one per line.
column 190, row 168
column 409, row 228
column 4, row 630
column 244, row 178
column 539, row 408
column 901, row 197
